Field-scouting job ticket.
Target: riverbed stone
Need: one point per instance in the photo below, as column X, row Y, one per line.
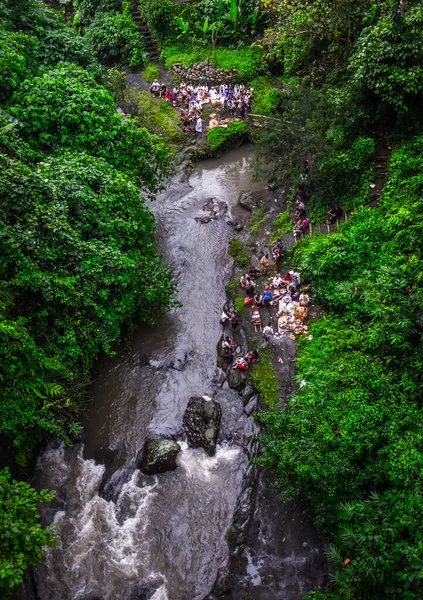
column 236, row 378
column 159, row 455
column 201, row 423
column 247, row 200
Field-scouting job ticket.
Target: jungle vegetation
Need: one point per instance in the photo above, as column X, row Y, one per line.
column 78, row 258
column 350, row 441
column 341, row 80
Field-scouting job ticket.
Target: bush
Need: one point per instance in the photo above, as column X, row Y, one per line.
column 266, row 98
column 22, row 538
column 158, row 15
column 282, row 224
column 17, row 52
column 236, row 250
column 257, row 219
column 239, row 304
column 150, row 73
column 115, row 38
column 66, row 108
column 222, row 137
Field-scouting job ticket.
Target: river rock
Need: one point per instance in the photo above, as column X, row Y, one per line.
column 201, row 423
column 236, row 378
column 247, row 201
column 159, row 456
column 250, row 406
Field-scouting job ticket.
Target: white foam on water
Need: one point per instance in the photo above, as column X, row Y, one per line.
column 198, row 464
column 94, row 538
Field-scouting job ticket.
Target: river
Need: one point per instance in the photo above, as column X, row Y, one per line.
column 127, row 536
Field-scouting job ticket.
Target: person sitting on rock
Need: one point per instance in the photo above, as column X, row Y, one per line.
column 252, row 357
column 227, row 354
column 241, row 363
column 268, row 331
column 277, row 282
column 228, row 343
column 334, row 213
column 225, row 318
column 249, row 290
column 254, row 273
column 258, row 299
column 287, row 299
column 304, row 299
column 288, row 278
column 267, row 296
column 244, row 281
column 155, row 88
column 264, row 264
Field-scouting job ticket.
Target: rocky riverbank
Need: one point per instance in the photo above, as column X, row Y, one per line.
column 275, row 553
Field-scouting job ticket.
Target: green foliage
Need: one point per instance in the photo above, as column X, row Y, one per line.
column 223, row 137
column 16, row 51
column 65, row 108
column 150, row 73
column 115, row 38
column 257, row 219
column 158, row 15
column 350, row 441
column 246, row 60
column 232, row 287
column 239, row 304
column 236, row 250
column 77, row 244
column 388, row 57
column 282, row 224
column 265, row 379
column 22, row 538
column 266, row 98
column 157, row 115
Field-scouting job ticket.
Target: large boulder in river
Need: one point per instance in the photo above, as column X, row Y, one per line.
column 159, row 456
column 201, row 423
column 248, row 200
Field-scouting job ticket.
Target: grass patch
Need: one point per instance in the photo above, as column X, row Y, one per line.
column 257, row 219
column 220, row 137
column 237, row 251
column 266, row 97
column 265, row 380
column 150, row 73
column 245, row 60
column 157, row 115
column 239, row 304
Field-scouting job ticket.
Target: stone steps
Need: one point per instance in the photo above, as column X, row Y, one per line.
column 150, row 45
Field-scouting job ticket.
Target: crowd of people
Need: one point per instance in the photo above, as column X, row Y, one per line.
column 189, row 101
column 281, row 298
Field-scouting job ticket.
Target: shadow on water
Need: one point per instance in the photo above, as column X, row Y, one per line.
column 123, row 535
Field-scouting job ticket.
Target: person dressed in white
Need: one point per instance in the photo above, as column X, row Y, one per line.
column 199, row 126
column 268, row 331
column 277, row 281
column 304, row 299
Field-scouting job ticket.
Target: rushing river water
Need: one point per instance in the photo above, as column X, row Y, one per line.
column 124, row 535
